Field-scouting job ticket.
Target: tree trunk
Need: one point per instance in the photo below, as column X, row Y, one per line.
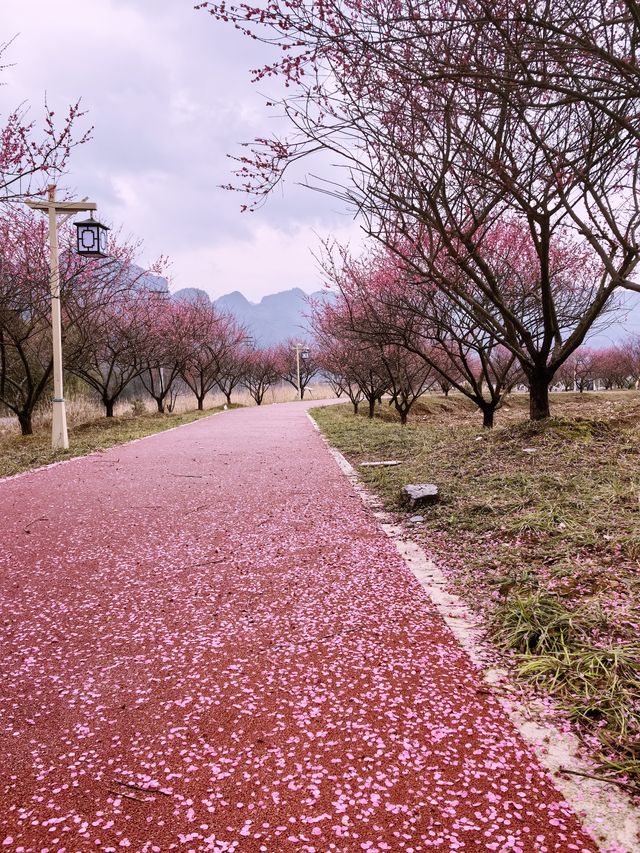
column 403, row 410
column 228, row 398
column 200, row 403
column 487, row 418
column 302, row 390
column 108, row 405
column 355, row 408
column 26, row 427
column 372, row 407
column 160, row 404
column 538, row 398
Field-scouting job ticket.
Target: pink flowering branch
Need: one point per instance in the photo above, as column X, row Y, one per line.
column 31, row 156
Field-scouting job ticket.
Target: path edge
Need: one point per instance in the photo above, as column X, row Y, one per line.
column 609, row 816
column 79, row 458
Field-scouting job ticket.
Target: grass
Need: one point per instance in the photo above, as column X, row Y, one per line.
column 18, row 453
column 538, row 529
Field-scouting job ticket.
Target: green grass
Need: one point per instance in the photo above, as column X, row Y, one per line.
column 22, row 453
column 545, row 546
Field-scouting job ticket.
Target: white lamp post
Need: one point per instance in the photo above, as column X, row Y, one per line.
column 94, row 248
column 300, row 351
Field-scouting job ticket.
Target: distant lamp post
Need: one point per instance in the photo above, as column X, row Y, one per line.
column 301, row 351
column 59, row 436
column 92, row 238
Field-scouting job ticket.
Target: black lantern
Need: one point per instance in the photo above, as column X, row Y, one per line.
column 305, row 354
column 92, row 238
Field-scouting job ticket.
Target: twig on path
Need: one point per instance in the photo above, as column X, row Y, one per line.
column 136, row 787
column 34, row 521
column 130, row 796
column 194, row 476
column 633, row 788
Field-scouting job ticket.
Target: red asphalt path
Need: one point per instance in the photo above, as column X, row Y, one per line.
column 209, row 644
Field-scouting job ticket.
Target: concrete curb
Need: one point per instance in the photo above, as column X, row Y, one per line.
column 609, row 816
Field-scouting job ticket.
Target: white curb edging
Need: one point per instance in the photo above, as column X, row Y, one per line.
column 609, row 816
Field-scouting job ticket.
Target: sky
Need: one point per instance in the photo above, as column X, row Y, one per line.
column 168, row 92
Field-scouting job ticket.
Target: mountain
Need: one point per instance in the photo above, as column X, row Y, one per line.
column 238, row 305
column 275, row 318
column 148, row 280
column 190, row 294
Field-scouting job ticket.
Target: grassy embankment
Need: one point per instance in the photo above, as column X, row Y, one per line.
column 538, row 528
column 21, row 453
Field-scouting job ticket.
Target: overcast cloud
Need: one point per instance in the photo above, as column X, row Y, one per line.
column 168, row 92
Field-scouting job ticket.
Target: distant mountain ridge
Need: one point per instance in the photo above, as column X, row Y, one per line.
column 275, row 318
column 148, row 280
column 282, row 315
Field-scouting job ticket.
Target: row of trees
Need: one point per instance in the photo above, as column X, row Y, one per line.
column 613, row 367
column 365, row 371
column 117, row 328
column 386, row 335
column 89, row 292
column 380, row 335
column 381, row 312
column 386, row 332
column 491, row 153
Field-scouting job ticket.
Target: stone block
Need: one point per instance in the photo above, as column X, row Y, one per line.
column 420, row 494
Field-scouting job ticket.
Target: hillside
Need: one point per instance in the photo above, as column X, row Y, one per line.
column 275, row 318
column 148, row 280
column 282, row 315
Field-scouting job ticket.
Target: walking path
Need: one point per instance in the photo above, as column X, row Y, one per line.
column 208, row 644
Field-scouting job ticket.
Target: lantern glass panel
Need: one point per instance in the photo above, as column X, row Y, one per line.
column 88, row 238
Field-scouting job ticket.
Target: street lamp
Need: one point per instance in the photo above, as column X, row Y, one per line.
column 59, row 435
column 301, row 350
